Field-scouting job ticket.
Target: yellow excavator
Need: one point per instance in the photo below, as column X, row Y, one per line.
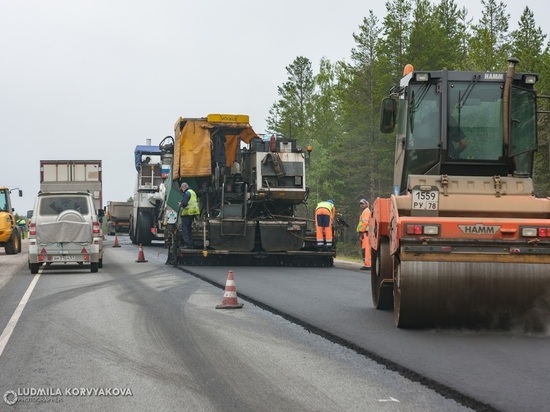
column 10, row 236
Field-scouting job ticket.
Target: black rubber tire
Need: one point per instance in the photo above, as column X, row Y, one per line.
column 13, row 247
column 382, row 269
column 20, row 243
column 131, row 231
column 100, row 263
column 143, row 229
column 34, row 267
column 94, row 267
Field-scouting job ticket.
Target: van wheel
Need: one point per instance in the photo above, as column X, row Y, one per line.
column 94, row 267
column 34, row 268
column 100, row 263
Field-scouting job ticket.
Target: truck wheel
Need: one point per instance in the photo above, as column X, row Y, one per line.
column 381, row 274
column 13, row 246
column 94, row 267
column 100, row 263
column 34, row 268
column 131, row 231
column 144, row 225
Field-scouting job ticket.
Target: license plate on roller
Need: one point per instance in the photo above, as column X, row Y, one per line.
column 425, row 199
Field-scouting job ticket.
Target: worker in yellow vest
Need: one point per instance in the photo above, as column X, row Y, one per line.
column 22, row 223
column 325, row 213
column 189, row 209
column 363, row 230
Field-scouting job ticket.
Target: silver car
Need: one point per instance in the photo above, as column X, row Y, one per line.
column 65, row 229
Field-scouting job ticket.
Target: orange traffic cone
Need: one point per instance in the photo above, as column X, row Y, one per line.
column 116, row 241
column 230, row 295
column 141, row 256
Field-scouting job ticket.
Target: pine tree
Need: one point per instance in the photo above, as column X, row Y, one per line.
column 489, row 43
column 291, row 115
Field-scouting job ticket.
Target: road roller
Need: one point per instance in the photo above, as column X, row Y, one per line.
column 463, row 241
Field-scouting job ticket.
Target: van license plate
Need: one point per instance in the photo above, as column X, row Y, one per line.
column 63, row 258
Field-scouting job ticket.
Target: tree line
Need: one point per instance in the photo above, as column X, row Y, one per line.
column 336, row 108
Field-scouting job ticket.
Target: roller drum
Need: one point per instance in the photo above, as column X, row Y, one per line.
column 381, row 276
column 472, row 294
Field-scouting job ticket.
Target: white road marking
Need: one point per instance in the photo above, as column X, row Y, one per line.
column 6, row 334
column 389, row 400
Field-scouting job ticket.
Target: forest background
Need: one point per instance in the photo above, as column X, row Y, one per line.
column 335, row 108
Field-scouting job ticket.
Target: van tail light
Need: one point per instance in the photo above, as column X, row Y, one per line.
column 95, row 226
column 32, row 229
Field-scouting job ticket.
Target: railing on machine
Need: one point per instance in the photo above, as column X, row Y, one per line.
column 234, row 213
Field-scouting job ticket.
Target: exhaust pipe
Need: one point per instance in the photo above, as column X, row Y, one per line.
column 512, row 61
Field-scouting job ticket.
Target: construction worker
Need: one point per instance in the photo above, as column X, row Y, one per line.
column 325, row 213
column 22, row 223
column 363, row 230
column 189, row 209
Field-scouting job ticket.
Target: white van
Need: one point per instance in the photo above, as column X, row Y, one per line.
column 65, row 229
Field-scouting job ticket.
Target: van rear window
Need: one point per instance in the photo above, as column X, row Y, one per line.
column 54, row 205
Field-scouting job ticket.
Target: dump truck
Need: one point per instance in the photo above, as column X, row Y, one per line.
column 249, row 189
column 71, row 175
column 118, row 216
column 148, row 195
column 462, row 241
column 10, row 236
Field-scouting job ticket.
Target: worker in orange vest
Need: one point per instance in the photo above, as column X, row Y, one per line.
column 325, row 213
column 363, row 230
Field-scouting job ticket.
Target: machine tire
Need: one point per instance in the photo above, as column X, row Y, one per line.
column 143, row 228
column 20, row 242
column 13, row 247
column 94, row 267
column 34, row 267
column 100, row 263
column 382, row 294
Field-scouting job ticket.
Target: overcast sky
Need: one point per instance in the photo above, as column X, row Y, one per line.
column 91, row 79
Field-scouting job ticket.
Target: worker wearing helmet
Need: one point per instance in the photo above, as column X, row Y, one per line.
column 189, row 209
column 22, row 223
column 363, row 230
column 324, row 219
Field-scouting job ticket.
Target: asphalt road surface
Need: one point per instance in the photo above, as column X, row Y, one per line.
column 144, row 336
